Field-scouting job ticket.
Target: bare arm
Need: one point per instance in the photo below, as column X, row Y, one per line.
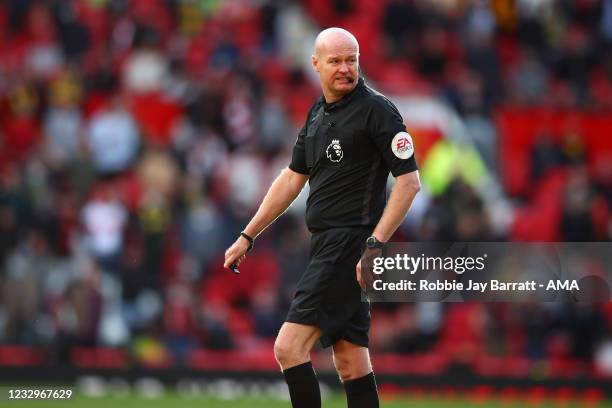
column 279, row 197
column 406, row 188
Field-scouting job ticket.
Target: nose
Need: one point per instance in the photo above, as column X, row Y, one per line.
column 344, row 67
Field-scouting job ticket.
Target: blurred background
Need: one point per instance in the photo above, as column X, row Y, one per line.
column 137, row 138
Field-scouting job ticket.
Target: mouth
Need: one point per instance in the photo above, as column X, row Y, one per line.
column 347, row 80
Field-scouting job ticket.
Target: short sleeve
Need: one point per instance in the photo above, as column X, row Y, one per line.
column 298, row 159
column 391, row 138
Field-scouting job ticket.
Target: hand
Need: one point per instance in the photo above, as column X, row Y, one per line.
column 236, row 253
column 365, row 274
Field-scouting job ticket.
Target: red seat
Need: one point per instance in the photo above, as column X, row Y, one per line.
column 98, row 357
column 21, row 356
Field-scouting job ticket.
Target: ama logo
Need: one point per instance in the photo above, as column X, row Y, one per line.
column 402, row 146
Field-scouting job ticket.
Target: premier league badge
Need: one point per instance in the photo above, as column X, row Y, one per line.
column 334, row 151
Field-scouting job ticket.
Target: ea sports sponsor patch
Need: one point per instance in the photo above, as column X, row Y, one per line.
column 402, row 146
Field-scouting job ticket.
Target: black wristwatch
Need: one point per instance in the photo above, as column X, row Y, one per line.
column 373, row 243
column 248, row 238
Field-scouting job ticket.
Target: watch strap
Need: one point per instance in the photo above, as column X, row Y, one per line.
column 248, row 238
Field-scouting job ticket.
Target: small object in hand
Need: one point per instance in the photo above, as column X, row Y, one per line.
column 234, row 269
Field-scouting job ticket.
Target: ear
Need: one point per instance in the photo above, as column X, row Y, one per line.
column 315, row 63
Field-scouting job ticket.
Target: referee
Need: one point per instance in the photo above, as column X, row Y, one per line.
column 353, row 137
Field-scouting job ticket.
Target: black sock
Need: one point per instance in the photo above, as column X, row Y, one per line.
column 362, row 392
column 303, row 386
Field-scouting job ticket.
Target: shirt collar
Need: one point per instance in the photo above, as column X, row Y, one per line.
column 345, row 99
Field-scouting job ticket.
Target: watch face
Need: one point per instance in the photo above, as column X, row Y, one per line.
column 371, row 242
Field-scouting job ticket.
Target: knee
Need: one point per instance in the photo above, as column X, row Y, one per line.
column 345, row 368
column 352, row 365
column 281, row 351
column 288, row 355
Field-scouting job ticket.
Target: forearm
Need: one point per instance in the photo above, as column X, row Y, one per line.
column 406, row 188
column 279, row 197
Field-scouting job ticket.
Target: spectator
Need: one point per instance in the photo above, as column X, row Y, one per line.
column 144, row 71
column 530, row 79
column 104, row 219
column 213, row 323
column 63, row 123
column 577, row 221
column 545, row 155
column 21, row 128
column 401, row 22
column 25, row 268
column 239, row 116
column 43, row 57
column 267, row 317
column 201, row 229
column 79, row 314
column 113, row 138
column 274, row 122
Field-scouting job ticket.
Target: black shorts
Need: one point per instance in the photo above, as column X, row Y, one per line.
column 328, row 295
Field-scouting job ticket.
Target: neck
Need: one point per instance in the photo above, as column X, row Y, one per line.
column 331, row 98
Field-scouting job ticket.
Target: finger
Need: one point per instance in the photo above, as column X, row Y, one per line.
column 237, row 259
column 228, row 257
column 229, row 260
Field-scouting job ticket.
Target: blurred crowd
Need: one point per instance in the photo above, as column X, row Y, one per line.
column 137, row 138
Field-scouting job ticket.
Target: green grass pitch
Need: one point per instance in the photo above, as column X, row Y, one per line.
column 336, row 401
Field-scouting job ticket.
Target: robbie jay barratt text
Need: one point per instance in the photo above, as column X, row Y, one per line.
column 493, row 285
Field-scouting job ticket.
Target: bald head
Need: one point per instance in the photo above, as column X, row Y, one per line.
column 334, row 38
column 336, row 60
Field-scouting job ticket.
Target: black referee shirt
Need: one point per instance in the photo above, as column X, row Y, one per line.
column 348, row 149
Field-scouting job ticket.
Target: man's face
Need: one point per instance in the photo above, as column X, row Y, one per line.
column 338, row 66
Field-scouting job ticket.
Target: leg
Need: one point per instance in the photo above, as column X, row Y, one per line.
column 351, row 361
column 293, row 344
column 355, row 370
column 292, row 351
